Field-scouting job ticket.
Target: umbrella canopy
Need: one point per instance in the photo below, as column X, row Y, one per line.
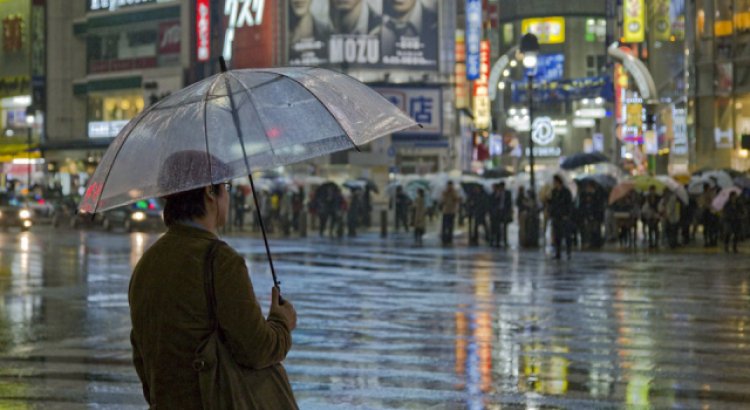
column 642, row 183
column 620, row 191
column 722, row 179
column 239, row 121
column 683, row 179
column 369, row 183
column 729, row 171
column 723, row 197
column 496, row 173
column 742, row 182
column 355, row 184
column 675, row 187
column 582, row 159
column 719, row 179
column 605, row 181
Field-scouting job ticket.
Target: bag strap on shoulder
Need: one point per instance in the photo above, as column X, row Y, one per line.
column 208, row 282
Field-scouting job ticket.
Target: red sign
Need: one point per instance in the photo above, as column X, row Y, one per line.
column 169, row 37
column 255, row 39
column 481, row 84
column 203, row 30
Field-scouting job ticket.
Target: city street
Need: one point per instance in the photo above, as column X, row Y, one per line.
column 385, row 325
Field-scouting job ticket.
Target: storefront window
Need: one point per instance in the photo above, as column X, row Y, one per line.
column 13, row 115
column 108, row 113
column 742, row 16
column 137, row 46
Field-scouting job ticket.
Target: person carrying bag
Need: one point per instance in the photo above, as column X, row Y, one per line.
column 223, row 383
column 199, row 337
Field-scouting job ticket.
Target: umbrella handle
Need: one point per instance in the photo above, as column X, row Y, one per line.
column 276, row 282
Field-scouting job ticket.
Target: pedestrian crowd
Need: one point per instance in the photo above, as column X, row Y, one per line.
column 576, row 217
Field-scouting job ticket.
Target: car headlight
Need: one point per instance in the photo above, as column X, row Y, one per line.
column 138, row 216
column 24, row 214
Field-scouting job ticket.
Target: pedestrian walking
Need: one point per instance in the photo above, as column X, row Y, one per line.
column 501, row 211
column 401, row 206
column 560, row 212
column 477, row 207
column 650, row 216
column 354, row 212
column 733, row 214
column 669, row 210
column 285, row 212
column 591, row 215
column 449, row 201
column 708, row 217
column 173, row 316
column 239, row 208
column 419, row 218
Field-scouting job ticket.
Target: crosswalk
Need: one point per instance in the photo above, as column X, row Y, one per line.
column 385, row 325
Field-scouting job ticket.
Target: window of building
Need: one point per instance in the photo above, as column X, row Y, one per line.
column 137, row 46
column 108, row 113
column 595, row 65
column 596, row 30
column 508, row 34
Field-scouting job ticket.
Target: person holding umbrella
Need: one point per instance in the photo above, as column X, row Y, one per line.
column 168, row 305
column 450, row 201
column 419, row 220
column 199, row 340
column 732, row 215
column 561, row 212
column 401, row 203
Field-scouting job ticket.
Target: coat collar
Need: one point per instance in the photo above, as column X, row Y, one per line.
column 190, row 231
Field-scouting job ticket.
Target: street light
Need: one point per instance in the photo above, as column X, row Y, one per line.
column 29, row 127
column 530, row 51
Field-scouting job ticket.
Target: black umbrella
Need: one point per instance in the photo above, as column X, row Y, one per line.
column 584, row 158
column 370, row 184
column 471, row 187
column 497, row 173
column 602, row 180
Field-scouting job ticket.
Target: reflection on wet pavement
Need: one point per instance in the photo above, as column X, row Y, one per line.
column 386, row 325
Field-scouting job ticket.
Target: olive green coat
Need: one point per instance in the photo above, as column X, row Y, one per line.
column 170, row 318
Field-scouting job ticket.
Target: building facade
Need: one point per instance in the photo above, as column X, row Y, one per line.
column 572, row 98
column 22, row 90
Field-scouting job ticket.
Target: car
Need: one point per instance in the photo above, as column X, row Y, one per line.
column 42, row 209
column 15, row 213
column 142, row 215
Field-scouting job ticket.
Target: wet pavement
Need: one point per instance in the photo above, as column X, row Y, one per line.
column 384, row 325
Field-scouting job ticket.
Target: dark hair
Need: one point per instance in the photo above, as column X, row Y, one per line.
column 185, row 206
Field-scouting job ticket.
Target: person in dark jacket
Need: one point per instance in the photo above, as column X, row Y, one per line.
column 733, row 215
column 354, row 212
column 402, row 203
column 560, row 212
column 650, row 215
column 501, row 212
column 168, row 307
column 591, row 214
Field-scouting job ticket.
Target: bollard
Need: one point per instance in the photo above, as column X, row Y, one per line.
column 383, row 223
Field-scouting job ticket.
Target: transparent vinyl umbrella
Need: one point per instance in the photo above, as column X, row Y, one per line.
column 234, row 123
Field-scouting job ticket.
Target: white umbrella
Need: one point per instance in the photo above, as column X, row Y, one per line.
column 675, row 187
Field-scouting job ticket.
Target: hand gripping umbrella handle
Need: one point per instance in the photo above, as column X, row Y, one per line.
column 276, row 282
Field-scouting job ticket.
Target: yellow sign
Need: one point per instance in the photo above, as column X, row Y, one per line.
column 548, row 30
column 723, row 28
column 634, row 20
column 635, row 116
column 660, row 18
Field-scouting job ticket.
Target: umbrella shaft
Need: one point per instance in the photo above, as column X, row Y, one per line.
column 263, row 230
